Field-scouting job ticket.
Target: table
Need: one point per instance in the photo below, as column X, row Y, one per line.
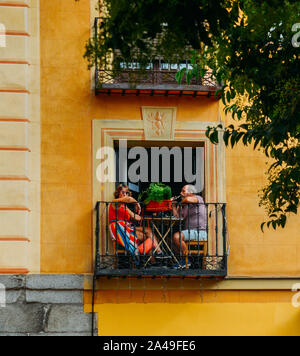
column 170, row 221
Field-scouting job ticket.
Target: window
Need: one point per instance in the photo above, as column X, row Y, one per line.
column 204, row 257
column 173, row 163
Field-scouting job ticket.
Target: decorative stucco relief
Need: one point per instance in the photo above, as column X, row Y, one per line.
column 159, row 123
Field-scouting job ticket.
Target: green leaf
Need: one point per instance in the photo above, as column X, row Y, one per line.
column 228, row 96
column 189, row 76
column 226, row 136
column 257, row 142
column 214, row 137
column 179, row 75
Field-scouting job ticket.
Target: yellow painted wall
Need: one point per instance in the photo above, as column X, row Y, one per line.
column 196, row 313
column 253, row 253
column 68, row 106
column 233, row 319
column 66, row 244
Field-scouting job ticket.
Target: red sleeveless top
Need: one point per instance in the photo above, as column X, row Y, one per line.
column 117, row 214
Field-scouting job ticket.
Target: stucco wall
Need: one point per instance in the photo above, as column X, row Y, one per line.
column 20, row 137
column 50, row 229
column 68, row 108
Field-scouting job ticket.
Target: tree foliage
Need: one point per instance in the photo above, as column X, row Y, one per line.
column 247, row 45
column 260, row 69
column 147, row 29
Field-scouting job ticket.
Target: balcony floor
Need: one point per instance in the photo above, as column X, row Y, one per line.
column 157, row 90
column 215, row 266
column 160, row 272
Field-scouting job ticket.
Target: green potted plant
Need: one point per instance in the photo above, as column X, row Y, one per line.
column 157, row 197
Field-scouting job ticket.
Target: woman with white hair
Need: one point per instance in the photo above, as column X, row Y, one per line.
column 194, row 212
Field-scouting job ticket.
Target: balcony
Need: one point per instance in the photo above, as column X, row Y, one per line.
column 204, row 253
column 157, row 79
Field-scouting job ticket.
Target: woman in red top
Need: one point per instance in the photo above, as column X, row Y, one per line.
column 136, row 239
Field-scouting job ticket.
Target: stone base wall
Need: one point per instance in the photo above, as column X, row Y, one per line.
column 43, row 305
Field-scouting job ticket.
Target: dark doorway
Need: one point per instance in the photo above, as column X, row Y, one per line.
column 168, row 171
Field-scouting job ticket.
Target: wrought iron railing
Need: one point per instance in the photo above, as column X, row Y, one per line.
column 154, row 248
column 156, row 73
column 150, row 77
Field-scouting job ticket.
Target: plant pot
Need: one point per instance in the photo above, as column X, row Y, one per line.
column 165, row 205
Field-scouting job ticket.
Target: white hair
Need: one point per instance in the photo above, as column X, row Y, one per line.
column 191, row 189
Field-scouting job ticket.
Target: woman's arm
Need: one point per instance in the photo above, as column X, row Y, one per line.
column 129, row 200
column 124, row 200
column 133, row 215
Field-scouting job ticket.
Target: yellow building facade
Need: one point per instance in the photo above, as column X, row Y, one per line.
column 51, row 124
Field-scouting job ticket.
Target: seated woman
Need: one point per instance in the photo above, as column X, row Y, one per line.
column 136, row 239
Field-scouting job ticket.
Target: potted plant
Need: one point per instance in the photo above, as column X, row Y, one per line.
column 157, row 197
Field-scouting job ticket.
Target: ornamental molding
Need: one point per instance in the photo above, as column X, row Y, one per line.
column 159, row 123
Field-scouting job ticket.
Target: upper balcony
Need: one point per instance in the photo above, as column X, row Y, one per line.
column 158, row 77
